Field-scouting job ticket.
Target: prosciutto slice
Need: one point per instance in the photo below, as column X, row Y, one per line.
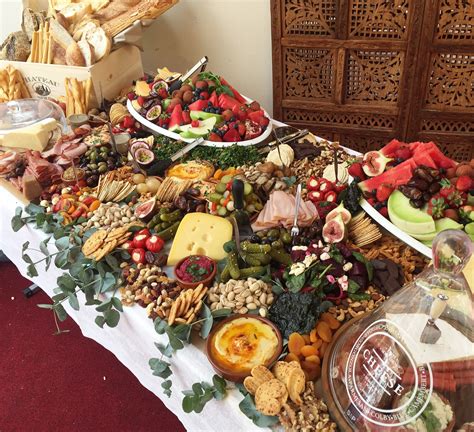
column 45, row 172
column 279, row 210
column 8, row 162
column 68, row 147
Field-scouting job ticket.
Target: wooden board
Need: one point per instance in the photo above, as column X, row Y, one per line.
column 5, row 184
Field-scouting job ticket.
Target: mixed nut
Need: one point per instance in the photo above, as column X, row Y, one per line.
column 241, row 296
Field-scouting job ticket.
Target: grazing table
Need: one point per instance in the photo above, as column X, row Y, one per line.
column 132, row 341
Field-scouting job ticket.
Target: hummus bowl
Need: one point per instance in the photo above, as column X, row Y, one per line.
column 241, row 342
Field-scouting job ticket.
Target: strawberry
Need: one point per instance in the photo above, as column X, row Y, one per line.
column 195, row 123
column 383, row 192
column 242, row 115
column 371, row 201
column 384, row 212
column 187, row 117
column 204, row 95
column 446, row 188
column 463, row 183
column 140, row 100
column 232, row 135
column 227, row 114
column 455, row 198
column 131, row 96
column 452, row 214
column 355, row 170
column 436, row 206
column 255, row 106
column 162, row 93
column 330, row 196
column 324, row 207
column 214, row 137
column 264, row 121
column 128, row 122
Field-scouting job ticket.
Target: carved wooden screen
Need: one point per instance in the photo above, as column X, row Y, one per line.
column 346, row 68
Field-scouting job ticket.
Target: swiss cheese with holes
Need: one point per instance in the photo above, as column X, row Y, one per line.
column 200, row 234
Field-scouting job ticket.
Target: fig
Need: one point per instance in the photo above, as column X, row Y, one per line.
column 137, row 145
column 153, row 113
column 334, row 230
column 144, row 156
column 145, row 210
column 374, row 163
column 342, row 211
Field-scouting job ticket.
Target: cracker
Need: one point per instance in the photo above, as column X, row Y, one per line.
column 105, row 250
column 173, row 311
column 270, row 397
column 259, row 375
column 94, row 242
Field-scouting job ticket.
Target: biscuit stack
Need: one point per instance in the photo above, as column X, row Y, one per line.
column 103, row 241
column 362, row 231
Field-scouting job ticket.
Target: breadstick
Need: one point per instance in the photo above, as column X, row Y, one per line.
column 44, row 56
column 69, row 99
column 25, row 93
column 88, row 93
column 76, row 92
column 50, row 49
column 11, row 82
column 34, row 46
column 40, row 43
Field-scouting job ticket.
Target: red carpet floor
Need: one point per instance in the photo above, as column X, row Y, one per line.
column 56, row 383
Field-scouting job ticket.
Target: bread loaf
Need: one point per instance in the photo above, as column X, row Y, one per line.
column 100, row 42
column 16, row 47
column 59, row 34
column 74, row 55
column 83, row 26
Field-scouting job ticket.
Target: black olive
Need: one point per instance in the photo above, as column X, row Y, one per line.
column 90, row 181
column 255, row 239
column 193, row 192
column 266, row 241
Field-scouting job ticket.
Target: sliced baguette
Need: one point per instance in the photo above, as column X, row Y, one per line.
column 58, row 53
column 100, row 42
column 97, row 5
column 74, row 12
column 83, row 26
column 87, row 52
column 74, row 56
column 59, row 34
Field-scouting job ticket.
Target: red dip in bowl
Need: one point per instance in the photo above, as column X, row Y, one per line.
column 195, row 268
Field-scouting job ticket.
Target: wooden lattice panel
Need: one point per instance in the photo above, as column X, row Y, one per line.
column 365, row 71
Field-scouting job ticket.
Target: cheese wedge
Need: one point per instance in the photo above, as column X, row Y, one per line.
column 200, row 234
column 34, row 137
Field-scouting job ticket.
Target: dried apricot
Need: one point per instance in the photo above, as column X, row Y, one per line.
column 307, row 339
column 313, row 336
column 292, row 357
column 308, row 350
column 314, row 359
column 295, row 343
column 322, row 349
column 94, row 206
column 324, row 331
column 332, row 322
column 312, row 370
column 318, row 343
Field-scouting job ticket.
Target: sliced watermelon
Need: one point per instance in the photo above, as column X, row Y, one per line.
column 390, row 148
column 437, row 155
column 256, row 116
column 199, row 105
column 422, row 157
column 237, row 95
column 214, row 99
column 176, row 119
column 228, row 102
column 394, row 177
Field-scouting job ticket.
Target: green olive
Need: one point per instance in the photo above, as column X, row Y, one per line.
column 277, row 244
column 286, row 237
column 274, row 233
column 93, row 166
column 102, row 169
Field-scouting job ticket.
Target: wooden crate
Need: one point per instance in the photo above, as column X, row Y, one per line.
column 353, row 71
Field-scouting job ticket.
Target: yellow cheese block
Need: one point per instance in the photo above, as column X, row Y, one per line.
column 34, row 137
column 200, row 234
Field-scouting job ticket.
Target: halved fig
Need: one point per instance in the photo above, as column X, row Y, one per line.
column 334, row 231
column 153, row 113
column 144, row 211
column 374, row 163
column 144, row 156
column 138, row 145
column 342, row 211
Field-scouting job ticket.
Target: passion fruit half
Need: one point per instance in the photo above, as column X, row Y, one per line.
column 153, row 113
column 144, row 156
column 138, row 145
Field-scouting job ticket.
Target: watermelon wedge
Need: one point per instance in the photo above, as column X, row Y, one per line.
column 199, row 105
column 396, row 176
column 437, row 155
column 389, row 149
column 228, row 102
column 214, row 99
column 422, row 157
column 176, row 119
column 237, row 95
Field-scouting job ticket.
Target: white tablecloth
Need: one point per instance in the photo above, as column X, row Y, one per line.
column 132, row 341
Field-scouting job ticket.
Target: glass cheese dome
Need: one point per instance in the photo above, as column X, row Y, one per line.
column 409, row 365
column 26, row 112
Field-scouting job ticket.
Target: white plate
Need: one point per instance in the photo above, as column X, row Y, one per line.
column 161, row 131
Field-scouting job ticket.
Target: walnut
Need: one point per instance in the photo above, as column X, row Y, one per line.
column 311, row 416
